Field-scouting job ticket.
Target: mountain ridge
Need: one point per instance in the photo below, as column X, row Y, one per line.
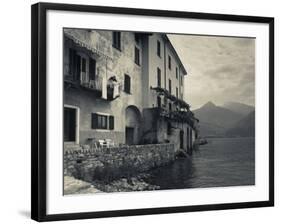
column 237, row 107
column 219, row 121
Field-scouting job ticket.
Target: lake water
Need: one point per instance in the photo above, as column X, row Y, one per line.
column 222, row 162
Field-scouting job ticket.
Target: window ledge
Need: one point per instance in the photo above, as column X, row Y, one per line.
column 117, row 48
column 129, row 93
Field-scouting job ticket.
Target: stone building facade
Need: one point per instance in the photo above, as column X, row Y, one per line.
column 125, row 87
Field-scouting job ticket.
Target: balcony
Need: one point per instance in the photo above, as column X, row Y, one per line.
column 113, row 90
column 100, row 86
column 177, row 116
column 92, row 84
column 163, row 92
column 82, row 82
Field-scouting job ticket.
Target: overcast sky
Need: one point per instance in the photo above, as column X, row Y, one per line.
column 220, row 69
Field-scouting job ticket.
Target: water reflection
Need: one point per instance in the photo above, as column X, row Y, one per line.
column 222, row 162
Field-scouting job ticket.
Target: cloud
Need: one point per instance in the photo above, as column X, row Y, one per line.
column 221, row 68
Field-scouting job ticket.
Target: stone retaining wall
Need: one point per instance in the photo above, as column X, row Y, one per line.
column 108, row 164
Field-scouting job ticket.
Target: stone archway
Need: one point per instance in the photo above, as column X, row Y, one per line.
column 132, row 125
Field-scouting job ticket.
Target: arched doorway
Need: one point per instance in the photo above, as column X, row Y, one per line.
column 132, row 126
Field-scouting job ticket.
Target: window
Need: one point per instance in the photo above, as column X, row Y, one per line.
column 92, row 69
column 158, row 101
column 137, row 56
column 83, row 64
column 117, row 40
column 177, row 92
column 170, row 107
column 137, row 38
column 158, row 77
column 169, row 62
column 158, row 48
column 100, row 121
column 127, row 84
column 181, row 80
column 170, row 86
column 177, row 75
column 74, row 64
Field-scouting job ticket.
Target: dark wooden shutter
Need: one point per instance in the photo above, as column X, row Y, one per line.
column 111, row 122
column 77, row 66
column 158, row 77
column 169, row 62
column 117, row 40
column 94, row 121
column 127, row 84
column 71, row 62
column 137, row 56
column 170, row 86
column 92, row 69
column 158, row 48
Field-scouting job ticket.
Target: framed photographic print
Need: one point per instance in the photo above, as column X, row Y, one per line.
column 138, row 111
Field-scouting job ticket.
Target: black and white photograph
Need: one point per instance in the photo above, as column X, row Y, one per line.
column 146, row 111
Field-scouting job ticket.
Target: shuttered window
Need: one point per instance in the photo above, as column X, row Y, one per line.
column 92, row 69
column 158, row 48
column 158, row 77
column 127, row 83
column 137, row 38
column 74, row 64
column 137, row 56
column 170, row 86
column 100, row 121
column 83, row 65
column 116, row 40
column 169, row 62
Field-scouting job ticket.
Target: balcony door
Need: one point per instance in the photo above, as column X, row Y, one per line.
column 92, row 69
column 74, row 65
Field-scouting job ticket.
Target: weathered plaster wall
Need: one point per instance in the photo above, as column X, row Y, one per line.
column 92, row 104
column 156, row 130
column 162, row 62
column 122, row 63
column 111, row 163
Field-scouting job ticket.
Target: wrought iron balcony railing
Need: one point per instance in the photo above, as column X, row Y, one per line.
column 92, row 84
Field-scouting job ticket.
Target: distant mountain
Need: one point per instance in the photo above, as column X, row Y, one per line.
column 244, row 127
column 239, row 108
column 215, row 120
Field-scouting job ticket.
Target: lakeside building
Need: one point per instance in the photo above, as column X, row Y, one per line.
column 124, row 88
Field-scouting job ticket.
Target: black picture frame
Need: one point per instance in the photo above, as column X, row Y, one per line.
column 39, row 122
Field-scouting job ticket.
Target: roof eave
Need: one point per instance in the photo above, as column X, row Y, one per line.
column 175, row 52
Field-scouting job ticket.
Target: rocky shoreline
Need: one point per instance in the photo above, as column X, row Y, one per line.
column 136, row 183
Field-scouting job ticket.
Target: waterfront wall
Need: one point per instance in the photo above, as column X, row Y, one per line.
column 108, row 164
